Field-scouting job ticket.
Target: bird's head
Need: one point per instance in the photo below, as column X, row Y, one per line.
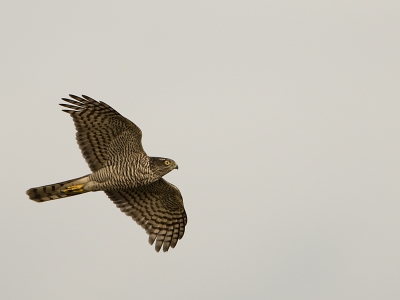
column 162, row 166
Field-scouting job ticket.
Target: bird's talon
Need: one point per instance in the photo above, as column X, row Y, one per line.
column 74, row 189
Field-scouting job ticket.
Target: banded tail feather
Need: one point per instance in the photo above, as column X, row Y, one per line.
column 58, row 190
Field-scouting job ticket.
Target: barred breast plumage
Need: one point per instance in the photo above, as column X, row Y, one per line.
column 112, row 147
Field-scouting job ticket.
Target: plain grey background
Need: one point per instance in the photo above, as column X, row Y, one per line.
column 282, row 115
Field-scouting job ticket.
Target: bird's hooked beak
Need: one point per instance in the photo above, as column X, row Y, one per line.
column 176, row 167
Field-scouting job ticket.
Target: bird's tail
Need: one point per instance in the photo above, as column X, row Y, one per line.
column 58, row 190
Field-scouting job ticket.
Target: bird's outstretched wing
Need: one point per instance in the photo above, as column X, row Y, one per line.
column 102, row 133
column 158, row 208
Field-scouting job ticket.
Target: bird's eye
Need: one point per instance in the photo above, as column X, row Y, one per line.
column 167, row 162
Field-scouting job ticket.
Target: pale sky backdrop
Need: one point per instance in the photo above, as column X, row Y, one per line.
column 282, row 115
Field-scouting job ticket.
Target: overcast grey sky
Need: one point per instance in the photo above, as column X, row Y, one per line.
column 282, row 115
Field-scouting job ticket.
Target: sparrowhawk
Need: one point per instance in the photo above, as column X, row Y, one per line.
column 112, row 147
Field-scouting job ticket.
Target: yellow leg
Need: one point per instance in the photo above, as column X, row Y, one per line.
column 74, row 189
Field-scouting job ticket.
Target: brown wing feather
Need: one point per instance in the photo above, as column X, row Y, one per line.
column 102, row 132
column 158, row 208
